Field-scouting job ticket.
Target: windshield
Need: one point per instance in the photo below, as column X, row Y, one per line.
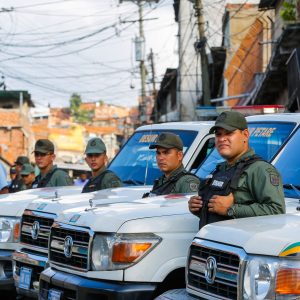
column 135, row 157
column 265, row 138
column 288, row 164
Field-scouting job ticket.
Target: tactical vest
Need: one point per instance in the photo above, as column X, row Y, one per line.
column 15, row 185
column 166, row 187
column 95, row 183
column 221, row 183
column 39, row 183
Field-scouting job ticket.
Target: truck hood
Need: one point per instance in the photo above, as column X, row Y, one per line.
column 85, row 200
column 109, row 217
column 267, row 235
column 14, row 204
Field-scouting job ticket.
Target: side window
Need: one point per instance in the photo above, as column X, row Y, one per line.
column 204, row 152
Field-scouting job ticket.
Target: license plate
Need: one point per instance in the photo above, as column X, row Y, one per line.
column 25, row 278
column 54, row 295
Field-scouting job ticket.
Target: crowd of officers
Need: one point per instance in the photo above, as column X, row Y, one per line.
column 244, row 185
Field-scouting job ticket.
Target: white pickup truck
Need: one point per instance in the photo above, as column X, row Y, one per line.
column 136, row 249
column 135, row 164
column 12, row 207
column 252, row 258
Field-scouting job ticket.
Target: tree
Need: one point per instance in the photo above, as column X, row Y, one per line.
column 288, row 11
column 79, row 115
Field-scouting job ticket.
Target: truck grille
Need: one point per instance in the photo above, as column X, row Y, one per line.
column 35, row 228
column 213, row 272
column 69, row 246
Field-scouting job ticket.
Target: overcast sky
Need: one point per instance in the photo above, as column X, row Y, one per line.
column 53, row 48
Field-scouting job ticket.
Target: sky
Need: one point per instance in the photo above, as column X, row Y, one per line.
column 53, row 48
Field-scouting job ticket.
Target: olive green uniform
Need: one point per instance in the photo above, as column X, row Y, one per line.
column 104, row 180
column 55, row 177
column 185, row 184
column 259, row 191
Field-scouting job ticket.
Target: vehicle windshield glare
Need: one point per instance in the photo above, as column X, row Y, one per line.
column 136, row 163
column 265, row 138
column 288, row 164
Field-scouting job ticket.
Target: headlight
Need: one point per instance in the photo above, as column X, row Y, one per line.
column 119, row 251
column 9, row 229
column 271, row 278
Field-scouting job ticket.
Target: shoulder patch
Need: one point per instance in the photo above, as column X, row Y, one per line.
column 194, row 186
column 115, row 183
column 274, row 179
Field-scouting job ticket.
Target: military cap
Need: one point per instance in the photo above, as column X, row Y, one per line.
column 44, row 146
column 230, row 120
column 167, row 140
column 95, row 145
column 27, row 169
column 21, row 160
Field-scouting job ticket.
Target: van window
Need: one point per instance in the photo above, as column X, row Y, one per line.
column 136, row 163
column 265, row 138
column 288, row 164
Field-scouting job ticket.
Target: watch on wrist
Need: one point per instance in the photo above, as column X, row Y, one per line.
column 230, row 212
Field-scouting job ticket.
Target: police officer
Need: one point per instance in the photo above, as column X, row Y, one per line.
column 175, row 179
column 49, row 175
column 28, row 175
column 244, row 185
column 17, row 183
column 96, row 158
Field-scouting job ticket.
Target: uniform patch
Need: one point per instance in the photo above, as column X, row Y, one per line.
column 115, row 184
column 93, row 143
column 274, row 179
column 194, row 186
column 217, row 183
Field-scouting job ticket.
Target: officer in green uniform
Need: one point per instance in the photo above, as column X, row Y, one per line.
column 17, row 183
column 244, row 185
column 175, row 179
column 49, row 175
column 96, row 158
column 28, row 175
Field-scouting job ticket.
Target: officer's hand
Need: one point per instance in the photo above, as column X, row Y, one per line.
column 220, row 204
column 195, row 204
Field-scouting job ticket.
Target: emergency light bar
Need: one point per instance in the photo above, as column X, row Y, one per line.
column 213, row 111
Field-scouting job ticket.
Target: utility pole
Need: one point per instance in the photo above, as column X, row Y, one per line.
column 140, row 55
column 200, row 46
column 142, row 105
column 154, row 91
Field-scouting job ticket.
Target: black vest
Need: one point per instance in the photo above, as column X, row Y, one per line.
column 94, row 184
column 15, row 185
column 166, row 187
column 222, row 183
column 39, row 183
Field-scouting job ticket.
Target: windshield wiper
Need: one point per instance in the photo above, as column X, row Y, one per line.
column 134, row 182
column 295, row 188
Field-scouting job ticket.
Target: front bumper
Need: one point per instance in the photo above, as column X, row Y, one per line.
column 34, row 261
column 6, row 270
column 80, row 288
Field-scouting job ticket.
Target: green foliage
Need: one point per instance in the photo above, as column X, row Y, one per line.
column 79, row 115
column 288, row 11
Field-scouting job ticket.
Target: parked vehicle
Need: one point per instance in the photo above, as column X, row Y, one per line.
column 136, row 249
column 251, row 258
column 12, row 207
column 135, row 164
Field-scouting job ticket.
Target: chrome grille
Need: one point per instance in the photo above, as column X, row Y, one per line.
column 44, row 220
column 224, row 283
column 78, row 250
